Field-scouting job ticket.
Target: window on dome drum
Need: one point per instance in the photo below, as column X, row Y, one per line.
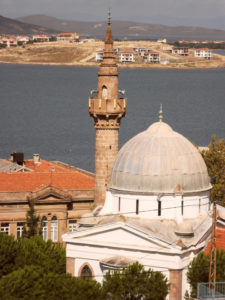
column 54, row 229
column 159, row 208
column 119, row 204
column 5, row 228
column 86, row 271
column 19, row 229
column 137, row 207
column 72, row 225
column 182, row 207
column 44, row 227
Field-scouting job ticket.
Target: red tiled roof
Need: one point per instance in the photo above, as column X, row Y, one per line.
column 220, row 240
column 44, row 175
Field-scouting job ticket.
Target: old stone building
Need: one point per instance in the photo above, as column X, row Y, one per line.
column 61, row 193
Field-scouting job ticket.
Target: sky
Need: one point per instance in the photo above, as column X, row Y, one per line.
column 207, row 13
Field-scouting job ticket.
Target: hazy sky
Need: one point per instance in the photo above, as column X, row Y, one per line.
column 173, row 12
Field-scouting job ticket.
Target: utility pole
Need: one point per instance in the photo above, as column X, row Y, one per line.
column 212, row 266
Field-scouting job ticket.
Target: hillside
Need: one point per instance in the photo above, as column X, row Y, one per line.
column 83, row 54
column 11, row 26
column 125, row 28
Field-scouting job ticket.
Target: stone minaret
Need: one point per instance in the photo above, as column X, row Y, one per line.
column 107, row 109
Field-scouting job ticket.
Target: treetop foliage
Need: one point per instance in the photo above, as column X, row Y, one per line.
column 133, row 283
column 215, row 161
column 198, row 269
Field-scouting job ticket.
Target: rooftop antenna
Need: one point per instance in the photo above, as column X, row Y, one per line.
column 160, row 114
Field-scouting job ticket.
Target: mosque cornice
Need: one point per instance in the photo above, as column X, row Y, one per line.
column 157, row 193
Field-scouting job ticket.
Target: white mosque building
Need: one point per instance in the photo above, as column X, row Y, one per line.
column 157, row 208
column 156, row 211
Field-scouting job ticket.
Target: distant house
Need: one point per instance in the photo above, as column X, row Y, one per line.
column 99, row 56
column 183, row 51
column 162, row 41
column 22, row 39
column 8, row 40
column 204, row 53
column 40, row 38
column 141, row 51
column 152, row 57
column 126, row 56
column 68, row 36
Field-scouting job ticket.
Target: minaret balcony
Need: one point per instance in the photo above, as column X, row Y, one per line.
column 107, row 106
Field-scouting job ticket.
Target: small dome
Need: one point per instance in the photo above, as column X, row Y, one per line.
column 159, row 160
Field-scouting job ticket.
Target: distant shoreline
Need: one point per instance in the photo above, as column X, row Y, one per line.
column 120, row 66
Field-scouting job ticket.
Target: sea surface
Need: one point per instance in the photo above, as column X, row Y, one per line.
column 44, row 109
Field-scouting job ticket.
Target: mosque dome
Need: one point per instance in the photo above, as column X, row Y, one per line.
column 159, row 160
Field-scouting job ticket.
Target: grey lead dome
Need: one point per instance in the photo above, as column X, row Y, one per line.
column 159, row 160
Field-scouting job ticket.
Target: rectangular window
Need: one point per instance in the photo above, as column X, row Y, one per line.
column 137, row 207
column 5, row 228
column 119, row 203
column 199, row 206
column 182, row 207
column 72, row 225
column 19, row 229
column 159, row 208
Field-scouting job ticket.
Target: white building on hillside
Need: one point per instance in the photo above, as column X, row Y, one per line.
column 156, row 211
column 126, row 56
column 204, row 53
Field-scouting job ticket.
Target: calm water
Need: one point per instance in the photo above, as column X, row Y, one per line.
column 44, row 109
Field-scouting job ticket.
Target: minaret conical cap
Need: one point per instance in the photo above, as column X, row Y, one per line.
column 108, row 37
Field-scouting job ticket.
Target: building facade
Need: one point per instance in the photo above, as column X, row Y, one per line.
column 61, row 194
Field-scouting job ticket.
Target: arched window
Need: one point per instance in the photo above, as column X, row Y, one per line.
column 44, row 228
column 86, row 272
column 54, row 229
column 104, row 92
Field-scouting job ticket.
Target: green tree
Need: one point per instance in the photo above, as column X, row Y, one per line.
column 31, row 283
column 215, row 161
column 134, row 282
column 17, row 254
column 47, row 255
column 8, row 254
column 32, row 227
column 198, row 269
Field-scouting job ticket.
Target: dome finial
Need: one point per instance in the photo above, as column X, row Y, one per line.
column 109, row 17
column 160, row 114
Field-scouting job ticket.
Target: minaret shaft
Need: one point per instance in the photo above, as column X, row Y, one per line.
column 107, row 109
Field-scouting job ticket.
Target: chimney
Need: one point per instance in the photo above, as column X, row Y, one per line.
column 36, row 158
column 18, row 158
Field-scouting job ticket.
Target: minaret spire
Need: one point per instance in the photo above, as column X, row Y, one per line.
column 107, row 109
column 160, row 114
column 109, row 17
